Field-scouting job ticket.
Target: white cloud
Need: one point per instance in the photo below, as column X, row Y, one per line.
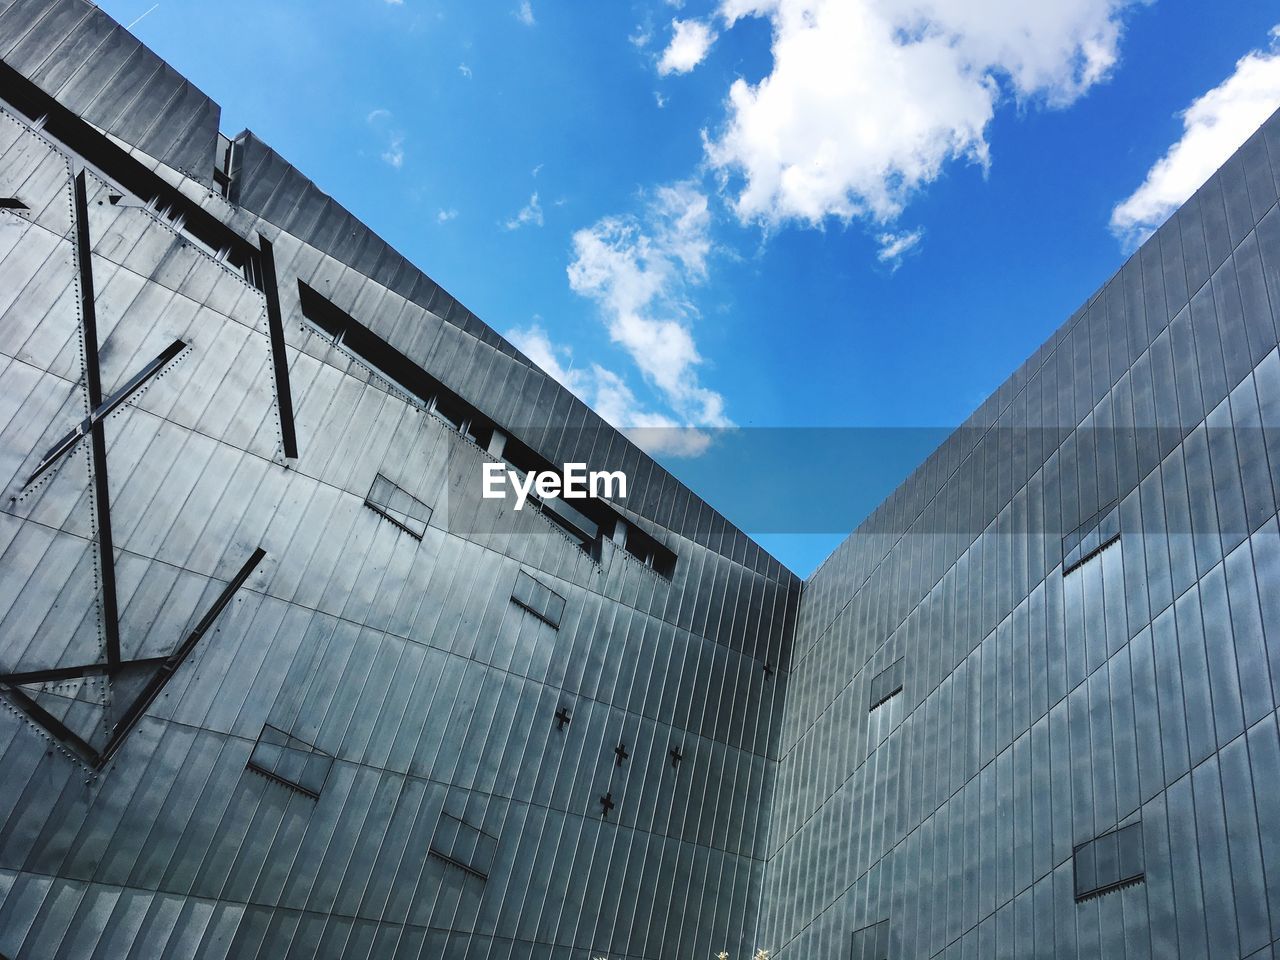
column 659, row 99
column 395, row 3
column 531, row 213
column 1214, row 126
column 867, row 100
column 394, row 154
column 536, row 170
column 380, row 120
column 464, row 70
column 640, row 37
column 524, row 13
column 690, row 42
column 895, row 246
column 639, row 272
column 444, row 216
column 609, row 396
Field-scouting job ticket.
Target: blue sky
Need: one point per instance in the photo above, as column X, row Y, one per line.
column 749, row 213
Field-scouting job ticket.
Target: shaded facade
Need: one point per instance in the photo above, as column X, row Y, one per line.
column 279, row 683
column 1075, row 598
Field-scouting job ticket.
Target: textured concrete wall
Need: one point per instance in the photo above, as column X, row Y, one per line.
column 1041, row 709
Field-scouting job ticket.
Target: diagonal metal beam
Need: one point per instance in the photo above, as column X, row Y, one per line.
column 171, row 663
column 108, row 406
column 270, row 287
column 54, row 674
column 93, row 381
column 52, row 724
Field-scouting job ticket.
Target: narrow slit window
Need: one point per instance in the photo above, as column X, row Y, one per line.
column 1109, row 862
column 886, row 684
column 396, row 504
column 870, row 942
column 463, row 846
column 1090, row 538
column 586, row 522
column 537, row 598
column 12, row 203
column 290, row 762
column 649, row 551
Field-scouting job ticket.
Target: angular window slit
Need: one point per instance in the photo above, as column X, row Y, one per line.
column 586, row 522
column 538, row 599
column 885, row 684
column 463, row 846
column 870, row 942
column 1109, row 862
column 290, row 762
column 397, row 505
column 54, row 119
column 12, row 203
column 1090, row 538
column 650, row 552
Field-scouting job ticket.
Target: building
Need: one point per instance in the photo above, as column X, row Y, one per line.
column 279, row 683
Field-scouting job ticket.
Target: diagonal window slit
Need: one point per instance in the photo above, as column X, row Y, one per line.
column 106, row 408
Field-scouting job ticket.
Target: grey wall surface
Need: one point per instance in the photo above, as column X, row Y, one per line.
column 332, row 727
column 1042, row 709
column 360, row 757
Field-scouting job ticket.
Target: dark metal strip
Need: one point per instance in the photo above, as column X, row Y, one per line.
column 175, row 659
column 52, row 724
column 53, row 674
column 454, row 862
column 107, row 408
column 93, row 382
column 283, row 781
column 279, row 359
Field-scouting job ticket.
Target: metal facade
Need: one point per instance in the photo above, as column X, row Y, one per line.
column 278, row 683
column 1079, row 596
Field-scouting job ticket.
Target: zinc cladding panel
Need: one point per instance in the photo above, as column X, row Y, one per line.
column 1184, row 686
column 86, row 44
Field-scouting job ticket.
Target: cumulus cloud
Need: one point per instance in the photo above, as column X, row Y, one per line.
column 895, row 246
column 524, row 13
column 867, row 100
column 608, row 394
column 444, row 216
column 530, row 214
column 639, row 271
column 464, row 70
column 1213, row 127
column 690, row 42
